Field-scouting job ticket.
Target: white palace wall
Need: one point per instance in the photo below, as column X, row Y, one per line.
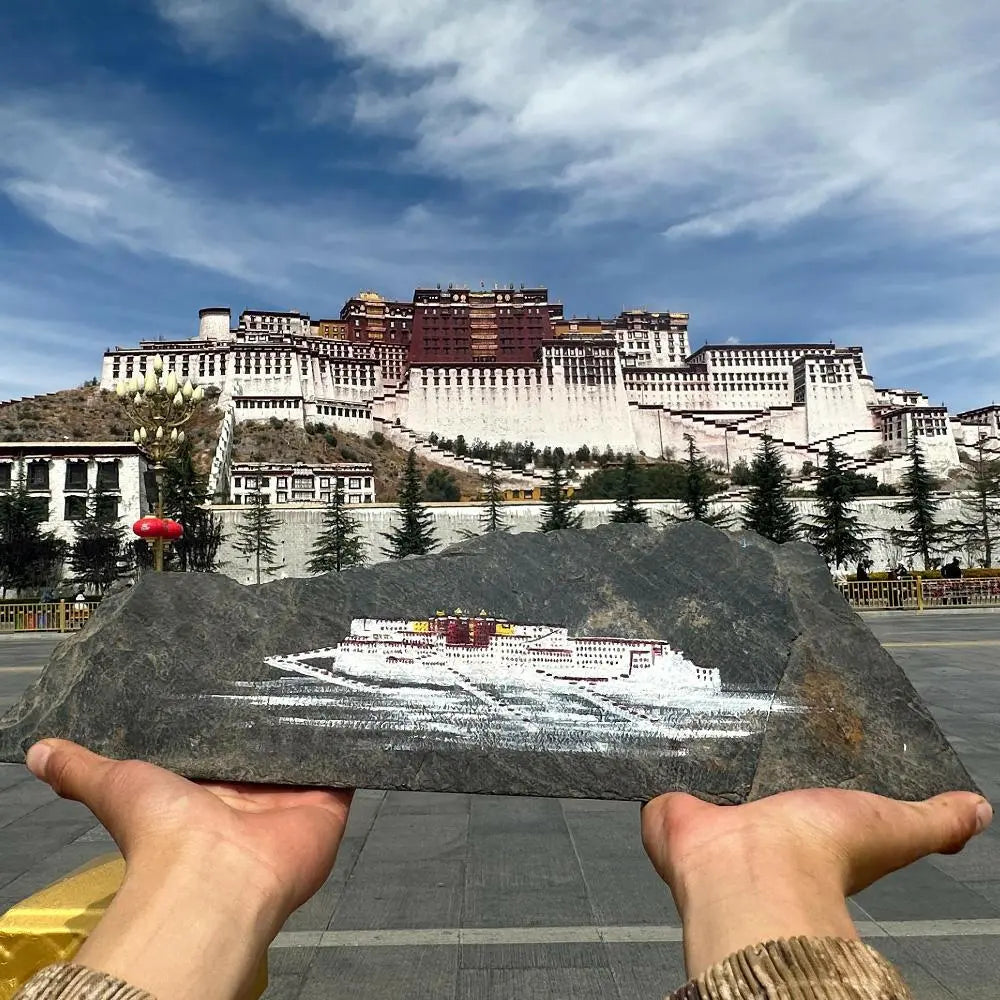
column 726, row 397
column 513, row 404
column 299, row 525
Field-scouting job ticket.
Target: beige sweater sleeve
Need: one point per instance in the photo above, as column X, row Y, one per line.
column 75, row 982
column 804, row 968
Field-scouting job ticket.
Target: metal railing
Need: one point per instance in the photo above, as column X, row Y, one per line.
column 54, row 616
column 916, row 593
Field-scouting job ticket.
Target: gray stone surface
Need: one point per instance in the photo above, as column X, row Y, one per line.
column 135, row 681
column 606, row 835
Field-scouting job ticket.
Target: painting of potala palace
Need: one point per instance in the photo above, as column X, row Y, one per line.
column 465, row 680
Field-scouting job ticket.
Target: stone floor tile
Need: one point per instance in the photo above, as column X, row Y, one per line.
column 516, row 984
column 367, row 973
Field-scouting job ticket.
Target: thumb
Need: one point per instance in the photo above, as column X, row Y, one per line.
column 72, row 771
column 943, row 824
column 666, row 819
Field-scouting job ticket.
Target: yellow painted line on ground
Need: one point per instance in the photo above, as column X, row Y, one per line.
column 21, row 670
column 942, row 642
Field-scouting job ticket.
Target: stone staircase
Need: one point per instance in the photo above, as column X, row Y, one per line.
column 218, row 476
column 404, row 437
column 27, row 399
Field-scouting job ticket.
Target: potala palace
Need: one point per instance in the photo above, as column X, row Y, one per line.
column 506, row 364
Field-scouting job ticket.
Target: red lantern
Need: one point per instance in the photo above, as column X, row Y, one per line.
column 149, row 527
column 173, row 530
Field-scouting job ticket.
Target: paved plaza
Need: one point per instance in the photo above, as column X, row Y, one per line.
column 486, row 897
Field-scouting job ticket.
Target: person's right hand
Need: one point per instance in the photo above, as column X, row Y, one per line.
column 212, row 871
column 781, row 867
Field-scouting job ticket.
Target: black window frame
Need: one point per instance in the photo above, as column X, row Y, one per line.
column 74, row 507
column 106, row 482
column 80, row 483
column 42, row 483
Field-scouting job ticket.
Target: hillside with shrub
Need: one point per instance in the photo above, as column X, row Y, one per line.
column 284, row 441
column 90, row 413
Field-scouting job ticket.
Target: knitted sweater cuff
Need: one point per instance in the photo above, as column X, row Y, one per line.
column 76, row 982
column 804, row 968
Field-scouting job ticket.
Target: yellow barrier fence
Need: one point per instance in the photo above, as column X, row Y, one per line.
column 916, row 593
column 55, row 616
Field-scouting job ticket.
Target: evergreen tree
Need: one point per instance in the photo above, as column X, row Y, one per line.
column 837, row 531
column 923, row 533
column 559, row 508
column 977, row 529
column 186, row 500
column 700, row 481
column 339, row 544
column 202, row 539
column 30, row 558
column 768, row 511
column 255, row 534
column 101, row 552
column 415, row 535
column 440, row 487
column 492, row 518
column 627, row 510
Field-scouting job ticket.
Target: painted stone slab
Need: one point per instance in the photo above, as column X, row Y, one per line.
column 613, row 663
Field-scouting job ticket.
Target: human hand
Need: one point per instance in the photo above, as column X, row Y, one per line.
column 782, row 866
column 212, row 870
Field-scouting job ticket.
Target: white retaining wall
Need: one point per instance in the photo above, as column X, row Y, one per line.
column 301, row 523
column 531, row 410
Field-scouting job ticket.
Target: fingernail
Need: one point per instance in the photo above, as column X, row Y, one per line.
column 36, row 759
column 984, row 816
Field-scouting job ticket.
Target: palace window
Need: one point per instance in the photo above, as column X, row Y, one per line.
column 75, row 508
column 107, row 507
column 38, row 475
column 5, row 475
column 76, row 475
column 107, row 475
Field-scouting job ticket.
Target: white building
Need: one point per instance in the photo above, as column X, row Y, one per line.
column 300, row 483
column 632, row 384
column 62, row 474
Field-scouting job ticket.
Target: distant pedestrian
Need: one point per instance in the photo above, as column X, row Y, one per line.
column 862, row 573
column 894, row 585
column 953, row 571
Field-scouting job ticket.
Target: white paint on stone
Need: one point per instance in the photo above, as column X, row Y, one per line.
column 460, row 681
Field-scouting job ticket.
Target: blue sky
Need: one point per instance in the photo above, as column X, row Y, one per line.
column 822, row 169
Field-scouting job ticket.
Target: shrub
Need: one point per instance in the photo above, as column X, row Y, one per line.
column 739, row 474
column 331, row 439
column 378, row 439
column 348, row 454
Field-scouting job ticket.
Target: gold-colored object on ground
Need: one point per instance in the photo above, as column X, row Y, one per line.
column 51, row 925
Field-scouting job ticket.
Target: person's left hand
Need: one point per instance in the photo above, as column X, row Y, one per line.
column 284, row 840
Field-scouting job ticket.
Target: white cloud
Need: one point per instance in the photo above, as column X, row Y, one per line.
column 31, row 344
column 713, row 118
column 215, row 25
column 86, row 181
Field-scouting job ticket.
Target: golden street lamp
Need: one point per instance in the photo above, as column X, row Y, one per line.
column 158, row 405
